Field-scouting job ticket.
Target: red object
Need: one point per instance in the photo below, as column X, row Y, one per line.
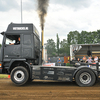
column 93, row 63
column 49, row 64
column 66, row 59
column 8, row 76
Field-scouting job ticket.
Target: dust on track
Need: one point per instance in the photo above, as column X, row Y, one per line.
column 48, row 90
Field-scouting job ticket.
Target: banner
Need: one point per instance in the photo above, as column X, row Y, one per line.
column 49, row 64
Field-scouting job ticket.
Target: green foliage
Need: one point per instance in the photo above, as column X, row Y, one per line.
column 54, row 54
column 58, row 44
column 67, row 64
column 50, row 46
column 88, row 37
column 3, row 76
column 64, row 48
column 83, row 38
column 73, row 37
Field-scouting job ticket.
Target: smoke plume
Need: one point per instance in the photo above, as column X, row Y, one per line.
column 42, row 11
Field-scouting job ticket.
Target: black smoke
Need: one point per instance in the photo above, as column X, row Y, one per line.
column 42, row 11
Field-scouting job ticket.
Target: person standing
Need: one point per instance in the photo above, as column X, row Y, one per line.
column 78, row 59
column 84, row 59
column 96, row 59
column 89, row 60
column 49, row 60
column 59, row 62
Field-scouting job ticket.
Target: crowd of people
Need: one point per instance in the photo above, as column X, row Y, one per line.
column 90, row 59
column 85, row 59
column 58, row 61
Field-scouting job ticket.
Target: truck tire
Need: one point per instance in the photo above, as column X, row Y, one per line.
column 19, row 75
column 85, row 77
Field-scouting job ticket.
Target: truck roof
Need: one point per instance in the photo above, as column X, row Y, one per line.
column 21, row 28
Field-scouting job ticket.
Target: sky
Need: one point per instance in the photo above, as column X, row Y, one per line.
column 62, row 17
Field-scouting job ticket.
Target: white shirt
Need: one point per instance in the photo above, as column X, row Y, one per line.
column 96, row 59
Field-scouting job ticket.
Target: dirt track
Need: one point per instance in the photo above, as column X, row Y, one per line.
column 43, row 90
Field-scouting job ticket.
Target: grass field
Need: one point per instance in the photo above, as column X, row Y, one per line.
column 3, row 76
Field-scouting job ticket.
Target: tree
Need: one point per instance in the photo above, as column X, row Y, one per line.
column 64, row 47
column 50, row 46
column 98, row 36
column 73, row 37
column 93, row 37
column 57, row 44
column 88, row 37
column 83, row 37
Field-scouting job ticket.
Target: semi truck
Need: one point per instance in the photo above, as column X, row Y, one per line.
column 21, row 59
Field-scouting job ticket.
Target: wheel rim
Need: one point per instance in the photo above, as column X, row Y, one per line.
column 85, row 78
column 19, row 76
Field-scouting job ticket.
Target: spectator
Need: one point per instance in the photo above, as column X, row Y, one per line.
column 99, row 59
column 73, row 59
column 84, row 59
column 89, row 60
column 59, row 62
column 49, row 60
column 78, row 59
column 96, row 59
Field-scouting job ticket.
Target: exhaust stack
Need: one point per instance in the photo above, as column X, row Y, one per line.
column 42, row 40
column 42, row 12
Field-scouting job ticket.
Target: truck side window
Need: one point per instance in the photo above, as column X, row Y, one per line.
column 27, row 39
column 12, row 39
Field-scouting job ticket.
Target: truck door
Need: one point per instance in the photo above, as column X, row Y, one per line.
column 27, row 46
column 12, row 47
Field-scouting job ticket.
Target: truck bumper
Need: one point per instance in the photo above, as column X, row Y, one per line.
column 0, row 70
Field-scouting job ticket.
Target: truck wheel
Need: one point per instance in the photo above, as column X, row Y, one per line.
column 85, row 77
column 19, row 75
